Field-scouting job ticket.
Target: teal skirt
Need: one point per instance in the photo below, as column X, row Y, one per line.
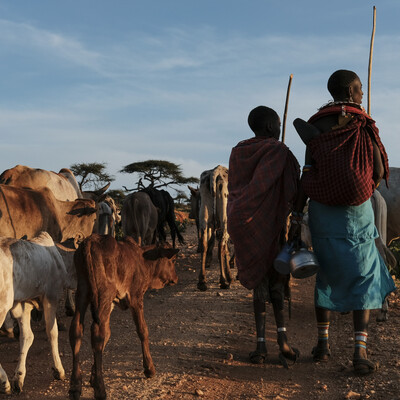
column 352, row 274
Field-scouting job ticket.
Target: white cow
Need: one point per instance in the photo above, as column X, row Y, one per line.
column 213, row 223
column 31, row 271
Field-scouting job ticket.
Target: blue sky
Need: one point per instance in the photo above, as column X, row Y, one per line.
column 126, row 81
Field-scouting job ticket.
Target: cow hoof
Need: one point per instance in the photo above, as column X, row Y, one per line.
column 224, row 285
column 74, row 394
column 100, row 396
column 5, row 387
column 202, row 286
column 149, row 373
column 59, row 375
column 16, row 386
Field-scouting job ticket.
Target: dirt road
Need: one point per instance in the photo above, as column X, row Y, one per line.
column 200, row 343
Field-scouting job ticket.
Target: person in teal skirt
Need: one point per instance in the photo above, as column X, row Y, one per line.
column 345, row 162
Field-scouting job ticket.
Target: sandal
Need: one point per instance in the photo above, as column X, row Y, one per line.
column 363, row 366
column 321, row 354
column 291, row 355
column 258, row 357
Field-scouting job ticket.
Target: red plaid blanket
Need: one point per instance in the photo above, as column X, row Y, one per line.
column 343, row 160
column 263, row 181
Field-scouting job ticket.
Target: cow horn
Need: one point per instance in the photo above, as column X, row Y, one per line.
column 98, row 192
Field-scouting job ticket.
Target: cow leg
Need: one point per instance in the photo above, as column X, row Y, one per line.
column 50, row 308
column 100, row 333
column 210, row 249
column 225, row 270
column 69, row 303
column 162, row 236
column 5, row 386
column 143, row 333
column 202, row 285
column 199, row 244
column 75, row 339
column 22, row 312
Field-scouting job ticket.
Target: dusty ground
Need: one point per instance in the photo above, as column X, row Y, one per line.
column 200, row 343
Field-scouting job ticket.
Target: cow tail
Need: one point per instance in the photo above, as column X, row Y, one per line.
column 135, row 214
column 94, row 301
column 180, row 237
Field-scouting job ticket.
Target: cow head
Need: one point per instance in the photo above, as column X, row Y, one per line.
column 163, row 259
column 82, row 215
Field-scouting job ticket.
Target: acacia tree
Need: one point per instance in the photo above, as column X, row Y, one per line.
column 157, row 174
column 92, row 175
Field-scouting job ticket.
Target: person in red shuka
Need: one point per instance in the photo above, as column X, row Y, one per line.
column 262, row 182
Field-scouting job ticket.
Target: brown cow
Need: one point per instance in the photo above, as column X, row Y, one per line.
column 139, row 218
column 26, row 212
column 114, row 272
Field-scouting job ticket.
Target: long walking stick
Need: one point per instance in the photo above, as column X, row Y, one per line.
column 286, row 107
column 371, row 50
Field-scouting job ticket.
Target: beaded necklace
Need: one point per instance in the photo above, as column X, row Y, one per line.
column 335, row 103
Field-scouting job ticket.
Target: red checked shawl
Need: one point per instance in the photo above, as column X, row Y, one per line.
column 343, row 160
column 262, row 182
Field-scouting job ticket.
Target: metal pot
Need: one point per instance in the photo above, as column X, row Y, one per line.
column 303, row 263
column 282, row 261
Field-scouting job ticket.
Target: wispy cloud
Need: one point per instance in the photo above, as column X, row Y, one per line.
column 22, row 36
column 182, row 95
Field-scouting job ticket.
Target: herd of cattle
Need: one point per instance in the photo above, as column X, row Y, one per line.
column 53, row 236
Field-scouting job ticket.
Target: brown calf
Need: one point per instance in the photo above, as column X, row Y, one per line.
column 114, row 272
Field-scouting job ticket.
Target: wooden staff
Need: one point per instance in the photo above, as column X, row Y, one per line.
column 371, row 50
column 286, row 107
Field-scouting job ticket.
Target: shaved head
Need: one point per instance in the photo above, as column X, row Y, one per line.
column 264, row 121
column 339, row 83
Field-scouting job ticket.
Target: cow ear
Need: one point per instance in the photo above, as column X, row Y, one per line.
column 152, row 254
column 193, row 191
column 159, row 252
column 89, row 210
column 168, row 253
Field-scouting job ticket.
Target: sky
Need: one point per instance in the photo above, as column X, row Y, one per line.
column 124, row 81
